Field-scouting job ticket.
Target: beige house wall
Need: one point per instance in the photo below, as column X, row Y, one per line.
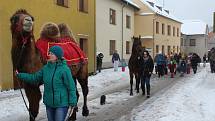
column 106, row 31
column 167, row 40
column 145, row 26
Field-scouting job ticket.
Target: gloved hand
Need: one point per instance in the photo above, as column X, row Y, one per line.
column 16, row 71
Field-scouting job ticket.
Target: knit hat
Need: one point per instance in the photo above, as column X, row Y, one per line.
column 57, row 50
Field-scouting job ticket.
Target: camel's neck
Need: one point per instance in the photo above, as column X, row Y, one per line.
column 23, row 53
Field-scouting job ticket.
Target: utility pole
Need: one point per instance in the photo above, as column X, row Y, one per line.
column 214, row 23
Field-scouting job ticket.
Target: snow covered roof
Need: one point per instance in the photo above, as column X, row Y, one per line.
column 132, row 4
column 158, row 9
column 193, row 27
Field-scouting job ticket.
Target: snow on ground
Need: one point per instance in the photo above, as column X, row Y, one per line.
column 191, row 99
column 11, row 102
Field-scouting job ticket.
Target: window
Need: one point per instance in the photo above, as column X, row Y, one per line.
column 173, row 31
column 173, row 49
column 157, row 27
column 163, row 29
column 163, row 47
column 192, row 42
column 128, row 21
column 169, row 30
column 112, row 16
column 62, row 3
column 127, row 47
column 83, row 44
column 157, row 48
column 177, row 49
column 112, row 46
column 169, row 49
column 177, row 32
column 182, row 42
column 83, row 6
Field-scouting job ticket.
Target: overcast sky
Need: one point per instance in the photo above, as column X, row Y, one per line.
column 191, row 9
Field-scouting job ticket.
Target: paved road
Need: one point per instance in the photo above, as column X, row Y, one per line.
column 120, row 110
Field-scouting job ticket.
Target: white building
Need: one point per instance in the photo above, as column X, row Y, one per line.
column 114, row 28
column 194, row 37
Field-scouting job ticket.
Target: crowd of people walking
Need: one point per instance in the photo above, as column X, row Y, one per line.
column 165, row 66
column 173, row 63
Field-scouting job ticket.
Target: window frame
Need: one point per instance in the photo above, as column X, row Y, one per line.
column 63, row 3
column 192, row 42
column 163, row 49
column 83, row 6
column 128, row 50
column 157, row 48
column 168, row 30
column 112, row 46
column 112, row 16
column 173, row 31
column 157, row 27
column 163, row 28
column 128, row 21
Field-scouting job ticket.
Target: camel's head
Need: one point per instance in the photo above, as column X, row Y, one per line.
column 21, row 21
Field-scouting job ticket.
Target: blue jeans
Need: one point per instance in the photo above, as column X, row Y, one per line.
column 56, row 114
column 145, row 81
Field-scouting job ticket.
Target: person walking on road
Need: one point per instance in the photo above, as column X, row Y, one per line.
column 147, row 66
column 115, row 60
column 161, row 64
column 195, row 59
column 59, row 86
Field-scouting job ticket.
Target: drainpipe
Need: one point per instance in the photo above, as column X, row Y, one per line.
column 122, row 29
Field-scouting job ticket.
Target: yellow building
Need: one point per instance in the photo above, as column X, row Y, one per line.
column 78, row 14
column 159, row 30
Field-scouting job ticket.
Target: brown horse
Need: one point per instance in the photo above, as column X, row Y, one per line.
column 26, row 58
column 134, row 63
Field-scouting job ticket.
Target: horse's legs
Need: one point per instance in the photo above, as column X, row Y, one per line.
column 34, row 95
column 131, row 83
column 85, row 90
column 137, row 77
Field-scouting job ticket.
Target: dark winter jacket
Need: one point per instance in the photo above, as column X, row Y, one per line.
column 147, row 66
column 59, row 86
column 115, row 57
column 195, row 60
column 183, row 66
column 99, row 58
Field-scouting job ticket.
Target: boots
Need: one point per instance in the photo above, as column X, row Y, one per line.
column 172, row 75
column 148, row 91
column 143, row 91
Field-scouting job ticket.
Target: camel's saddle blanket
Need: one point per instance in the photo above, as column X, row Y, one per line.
column 72, row 52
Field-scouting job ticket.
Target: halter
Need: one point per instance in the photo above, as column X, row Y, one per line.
column 25, row 39
column 19, row 28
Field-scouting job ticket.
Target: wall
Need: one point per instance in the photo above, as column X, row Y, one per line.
column 44, row 11
column 106, row 31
